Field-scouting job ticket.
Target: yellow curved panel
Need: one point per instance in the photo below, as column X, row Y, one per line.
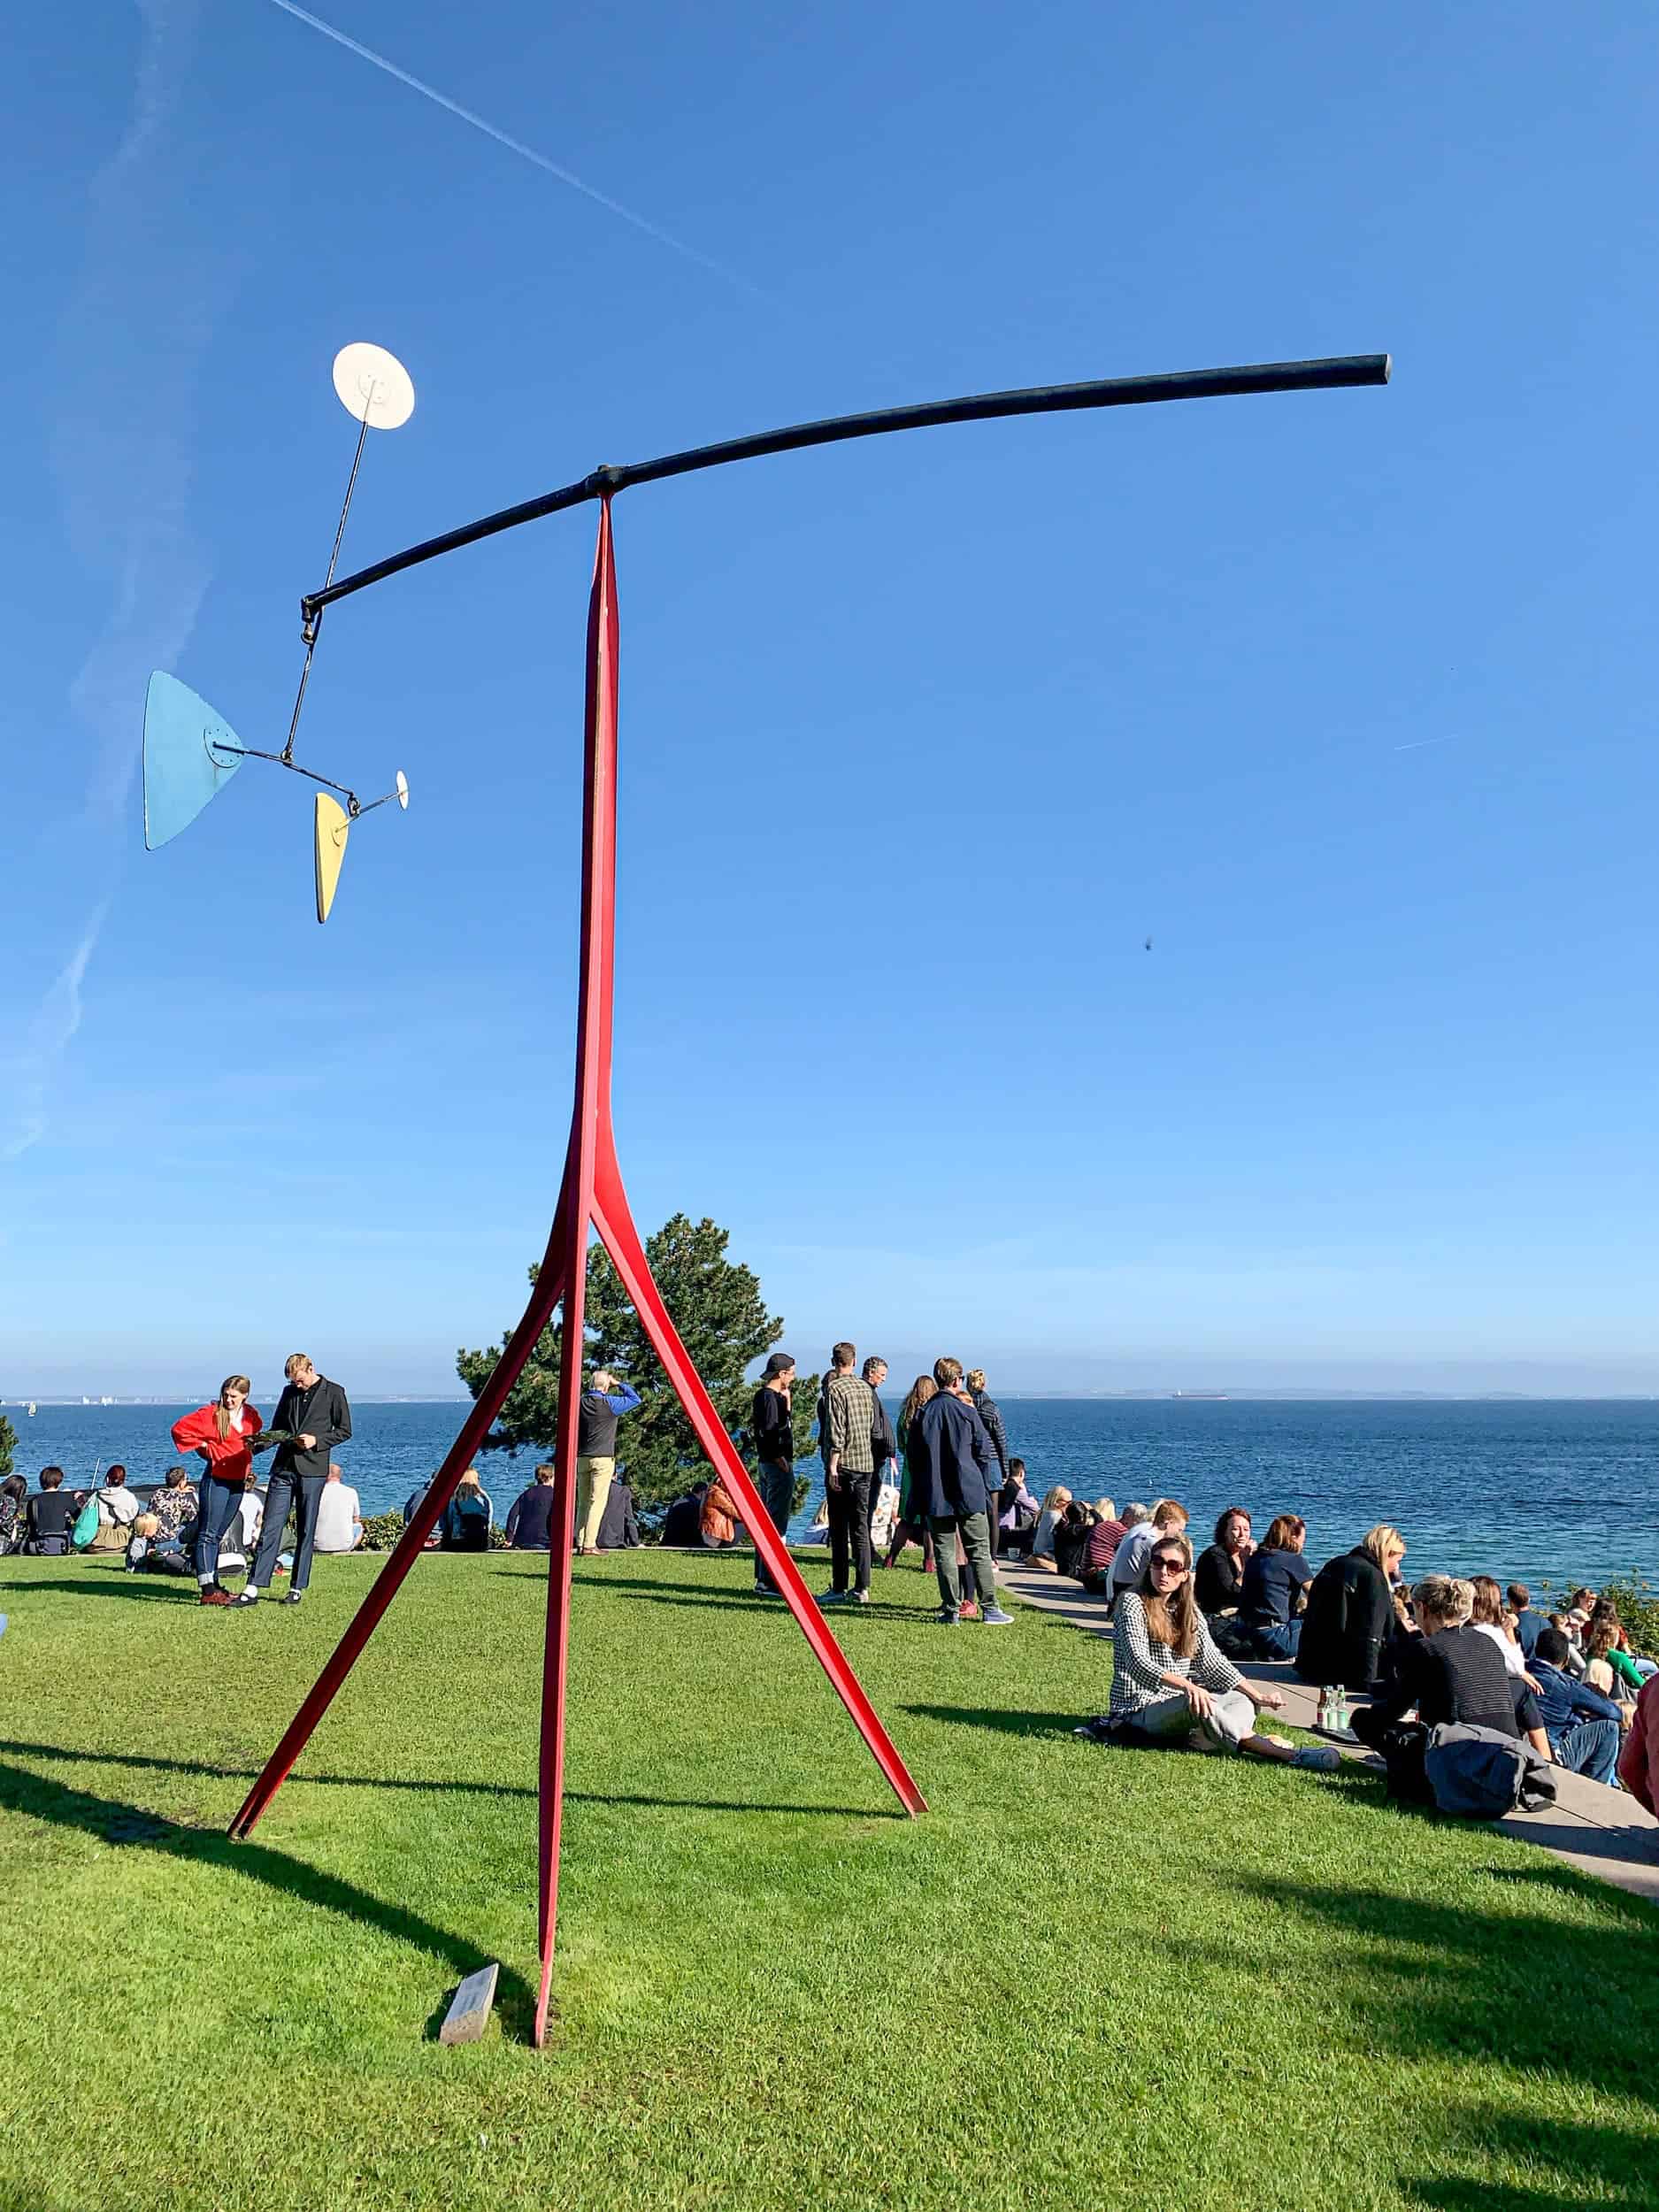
column 332, row 825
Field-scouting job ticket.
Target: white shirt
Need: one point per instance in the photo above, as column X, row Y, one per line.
column 1514, row 1658
column 336, row 1510
column 118, row 1507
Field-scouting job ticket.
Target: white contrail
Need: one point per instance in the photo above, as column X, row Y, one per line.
column 46, row 1040
column 516, row 146
column 1417, row 744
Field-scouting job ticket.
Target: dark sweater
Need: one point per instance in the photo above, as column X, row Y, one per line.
column 991, row 1414
column 884, row 1445
column 596, row 1434
column 772, row 1428
column 49, row 1514
column 1458, row 1675
column 530, row 1518
column 1218, row 1580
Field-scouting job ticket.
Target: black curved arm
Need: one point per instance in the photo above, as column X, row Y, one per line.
column 1041, row 399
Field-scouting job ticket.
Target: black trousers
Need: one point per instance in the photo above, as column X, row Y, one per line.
column 301, row 1494
column 849, row 1532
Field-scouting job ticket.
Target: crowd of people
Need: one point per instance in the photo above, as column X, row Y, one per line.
column 225, row 1521
column 1568, row 1684
column 1449, row 1650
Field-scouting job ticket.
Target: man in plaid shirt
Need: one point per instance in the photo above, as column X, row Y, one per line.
column 849, row 1416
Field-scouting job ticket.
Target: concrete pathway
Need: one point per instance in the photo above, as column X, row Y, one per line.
column 1597, row 1831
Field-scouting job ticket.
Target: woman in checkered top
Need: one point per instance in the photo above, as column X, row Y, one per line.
column 1169, row 1684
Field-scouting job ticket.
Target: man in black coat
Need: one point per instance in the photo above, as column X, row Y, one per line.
column 952, row 1478
column 314, row 1412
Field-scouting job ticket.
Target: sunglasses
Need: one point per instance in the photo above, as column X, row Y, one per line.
column 1168, row 1566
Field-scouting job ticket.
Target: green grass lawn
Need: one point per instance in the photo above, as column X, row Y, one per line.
column 1087, row 1977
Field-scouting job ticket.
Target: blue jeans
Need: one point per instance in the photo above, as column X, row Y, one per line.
column 1589, row 1747
column 220, row 1503
column 1280, row 1638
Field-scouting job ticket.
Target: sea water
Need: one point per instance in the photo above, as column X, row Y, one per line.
column 1538, row 1490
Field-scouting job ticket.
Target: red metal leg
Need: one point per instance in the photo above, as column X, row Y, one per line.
column 621, row 1240
column 554, row 1671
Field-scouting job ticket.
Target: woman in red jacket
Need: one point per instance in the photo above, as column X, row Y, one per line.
column 221, row 1433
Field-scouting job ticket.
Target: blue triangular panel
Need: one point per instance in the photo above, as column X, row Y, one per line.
column 184, row 764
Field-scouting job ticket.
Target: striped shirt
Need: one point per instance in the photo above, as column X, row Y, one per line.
column 1138, row 1660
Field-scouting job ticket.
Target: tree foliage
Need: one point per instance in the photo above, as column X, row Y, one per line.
column 716, row 1305
column 8, row 1445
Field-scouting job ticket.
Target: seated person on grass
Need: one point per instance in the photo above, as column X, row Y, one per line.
column 1488, row 1616
column 13, row 1495
column 1129, row 1560
column 174, row 1506
column 49, row 1516
column 1527, row 1622
column 1605, row 1640
column 468, row 1518
column 1218, row 1577
column 1053, row 1504
column 1171, row 1685
column 1018, row 1517
column 1107, row 1533
column 117, row 1509
column 682, row 1524
column 1451, row 1673
column 619, row 1529
column 530, row 1516
column 1583, row 1726
column 1276, row 1578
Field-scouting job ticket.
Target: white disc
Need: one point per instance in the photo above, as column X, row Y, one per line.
column 402, row 790
column 373, row 386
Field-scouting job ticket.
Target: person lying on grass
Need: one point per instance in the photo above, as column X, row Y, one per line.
column 1169, row 1684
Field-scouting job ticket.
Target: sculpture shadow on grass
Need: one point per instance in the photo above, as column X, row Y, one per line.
column 1005, row 1720
column 179, row 1589
column 110, row 1820
column 1428, row 1982
column 205, row 1769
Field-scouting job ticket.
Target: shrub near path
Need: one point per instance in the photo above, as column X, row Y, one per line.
column 1087, row 1977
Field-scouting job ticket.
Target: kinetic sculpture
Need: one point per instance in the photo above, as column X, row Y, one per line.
column 592, row 1192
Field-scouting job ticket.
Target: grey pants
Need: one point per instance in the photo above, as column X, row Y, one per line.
column 1168, row 1720
column 976, row 1541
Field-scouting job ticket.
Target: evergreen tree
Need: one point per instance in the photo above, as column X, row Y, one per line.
column 717, row 1307
column 8, row 1445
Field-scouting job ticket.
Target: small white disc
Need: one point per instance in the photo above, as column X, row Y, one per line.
column 402, row 790
column 373, row 386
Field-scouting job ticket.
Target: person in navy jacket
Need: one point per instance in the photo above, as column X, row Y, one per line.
column 955, row 1474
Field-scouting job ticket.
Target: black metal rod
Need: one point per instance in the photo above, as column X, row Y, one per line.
column 1050, row 399
column 334, row 560
column 252, row 752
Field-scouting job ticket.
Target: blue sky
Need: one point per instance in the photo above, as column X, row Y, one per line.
column 1345, row 700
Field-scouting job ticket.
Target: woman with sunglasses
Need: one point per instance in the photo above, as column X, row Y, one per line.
column 1169, row 1684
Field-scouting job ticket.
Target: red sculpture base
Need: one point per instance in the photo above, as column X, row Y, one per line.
column 591, row 1194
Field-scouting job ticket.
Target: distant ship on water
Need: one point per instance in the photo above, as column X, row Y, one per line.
column 1206, row 1397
